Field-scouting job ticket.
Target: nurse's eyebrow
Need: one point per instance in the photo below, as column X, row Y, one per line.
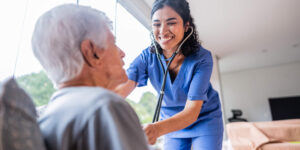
column 170, row 19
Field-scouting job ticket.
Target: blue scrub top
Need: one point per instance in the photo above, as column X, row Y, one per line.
column 192, row 82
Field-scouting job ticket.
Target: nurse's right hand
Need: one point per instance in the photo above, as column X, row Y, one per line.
column 151, row 132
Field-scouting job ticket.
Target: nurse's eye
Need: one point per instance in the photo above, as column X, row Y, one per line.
column 156, row 24
column 172, row 23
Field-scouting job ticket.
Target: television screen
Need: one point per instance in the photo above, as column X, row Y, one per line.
column 285, row 108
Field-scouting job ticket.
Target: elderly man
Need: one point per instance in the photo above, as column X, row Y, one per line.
column 77, row 50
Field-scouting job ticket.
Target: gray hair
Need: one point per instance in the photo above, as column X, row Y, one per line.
column 58, row 34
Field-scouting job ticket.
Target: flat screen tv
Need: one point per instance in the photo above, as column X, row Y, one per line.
column 285, row 108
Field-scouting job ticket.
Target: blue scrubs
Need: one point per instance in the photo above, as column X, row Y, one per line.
column 192, row 82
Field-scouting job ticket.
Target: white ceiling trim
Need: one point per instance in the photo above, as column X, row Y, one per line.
column 139, row 9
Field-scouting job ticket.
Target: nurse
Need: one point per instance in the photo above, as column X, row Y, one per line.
column 190, row 112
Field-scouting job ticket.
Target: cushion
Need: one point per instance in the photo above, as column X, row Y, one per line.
column 18, row 126
column 264, row 135
column 281, row 146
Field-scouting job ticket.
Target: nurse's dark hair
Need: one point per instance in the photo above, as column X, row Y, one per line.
column 191, row 45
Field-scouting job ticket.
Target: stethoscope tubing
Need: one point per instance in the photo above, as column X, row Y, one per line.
column 165, row 71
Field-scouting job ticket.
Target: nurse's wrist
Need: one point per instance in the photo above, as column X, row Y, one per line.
column 159, row 129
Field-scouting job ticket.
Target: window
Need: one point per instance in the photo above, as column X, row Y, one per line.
column 18, row 20
column 132, row 37
column 17, row 27
column 106, row 6
column 26, row 63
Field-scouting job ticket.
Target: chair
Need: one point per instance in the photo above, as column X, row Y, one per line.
column 236, row 116
column 18, row 126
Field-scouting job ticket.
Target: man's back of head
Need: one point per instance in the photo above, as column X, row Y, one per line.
column 58, row 34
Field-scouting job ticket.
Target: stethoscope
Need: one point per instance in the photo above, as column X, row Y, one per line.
column 162, row 89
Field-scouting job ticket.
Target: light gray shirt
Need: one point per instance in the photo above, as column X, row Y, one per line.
column 90, row 118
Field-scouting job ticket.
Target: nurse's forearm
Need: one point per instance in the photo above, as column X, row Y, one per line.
column 182, row 119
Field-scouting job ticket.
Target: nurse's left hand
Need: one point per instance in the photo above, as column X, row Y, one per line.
column 152, row 132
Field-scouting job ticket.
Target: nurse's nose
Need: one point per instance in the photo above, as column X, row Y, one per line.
column 163, row 29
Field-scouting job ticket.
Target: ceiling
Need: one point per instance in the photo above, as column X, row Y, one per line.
column 247, row 34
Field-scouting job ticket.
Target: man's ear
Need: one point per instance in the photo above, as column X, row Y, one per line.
column 89, row 52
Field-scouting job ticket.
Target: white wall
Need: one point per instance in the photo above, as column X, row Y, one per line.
column 216, row 83
column 249, row 90
column 215, row 76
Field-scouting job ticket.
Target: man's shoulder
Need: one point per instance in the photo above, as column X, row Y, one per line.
column 106, row 98
column 80, row 104
column 86, row 95
column 98, row 97
column 81, row 101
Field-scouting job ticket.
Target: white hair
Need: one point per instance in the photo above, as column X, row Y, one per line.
column 58, row 34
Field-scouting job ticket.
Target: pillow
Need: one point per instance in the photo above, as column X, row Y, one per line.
column 18, row 126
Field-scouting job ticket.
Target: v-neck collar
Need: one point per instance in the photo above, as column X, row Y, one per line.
column 179, row 74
